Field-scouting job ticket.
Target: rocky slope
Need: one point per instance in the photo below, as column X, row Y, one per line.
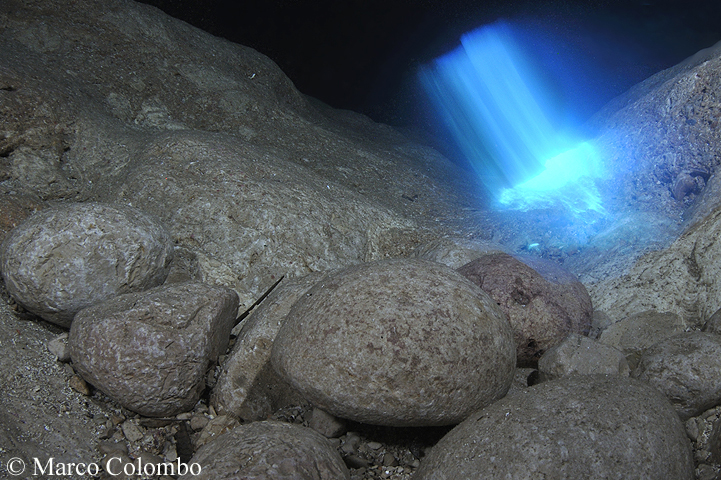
column 115, row 102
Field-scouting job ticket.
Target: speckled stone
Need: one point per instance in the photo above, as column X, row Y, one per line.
column 150, row 351
column 269, row 451
column 578, row 427
column 69, row 257
column 544, row 302
column 397, row 342
column 687, row 368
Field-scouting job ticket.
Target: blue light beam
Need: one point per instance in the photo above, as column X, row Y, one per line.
column 495, row 108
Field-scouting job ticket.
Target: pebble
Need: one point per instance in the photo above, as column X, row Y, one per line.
column 131, row 431
column 59, row 347
column 79, row 385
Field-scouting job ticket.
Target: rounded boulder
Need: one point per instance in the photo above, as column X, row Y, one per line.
column 544, row 302
column 398, row 342
column 687, row 368
column 150, row 351
column 585, row 426
column 268, row 450
column 65, row 258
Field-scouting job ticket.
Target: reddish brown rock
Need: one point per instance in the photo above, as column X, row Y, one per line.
column 151, row 351
column 398, row 342
column 544, row 304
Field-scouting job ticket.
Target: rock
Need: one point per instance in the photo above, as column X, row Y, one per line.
column 77, row 383
column 132, row 431
column 585, row 426
column 247, row 386
column 398, row 343
column 150, row 351
column 600, row 322
column 14, row 209
column 687, row 368
column 326, row 424
column 713, row 324
column 269, row 451
column 69, row 257
column 544, row 303
column 636, row 333
column 215, row 428
column 681, row 279
column 59, row 347
column 455, row 252
column 577, row 354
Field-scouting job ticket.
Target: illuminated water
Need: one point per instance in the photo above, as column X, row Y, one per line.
column 500, row 116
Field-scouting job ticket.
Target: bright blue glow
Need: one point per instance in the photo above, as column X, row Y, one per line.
column 567, row 180
column 501, row 117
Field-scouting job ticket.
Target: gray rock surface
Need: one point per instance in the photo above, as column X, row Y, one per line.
column 544, row 303
column 682, row 279
column 687, row 369
column 150, row 351
column 633, row 335
column 41, row 416
column 579, row 427
column 713, row 324
column 247, row 386
column 577, row 354
column 66, row 258
column 396, row 342
column 269, row 451
column 456, row 252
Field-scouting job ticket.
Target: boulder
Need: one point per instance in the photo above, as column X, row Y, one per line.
column 248, row 387
column 544, row 303
column 687, row 368
column 577, row 354
column 584, row 426
column 455, row 252
column 69, row 257
column 401, row 342
column 681, row 279
column 269, row 451
column 636, row 333
column 150, row 351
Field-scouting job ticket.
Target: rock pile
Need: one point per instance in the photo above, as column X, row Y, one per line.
column 175, row 187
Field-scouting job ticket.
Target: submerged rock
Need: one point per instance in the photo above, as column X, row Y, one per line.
column 248, row 387
column 633, row 335
column 66, row 258
column 577, row 354
column 543, row 308
column 687, row 368
column 269, row 451
column 398, row 343
column 585, row 426
column 151, row 351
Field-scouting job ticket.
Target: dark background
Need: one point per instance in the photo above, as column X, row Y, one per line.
column 362, row 55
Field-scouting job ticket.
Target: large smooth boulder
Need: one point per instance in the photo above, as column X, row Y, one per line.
column 584, row 426
column 269, row 451
column 150, row 351
column 687, row 369
column 69, row 257
column 396, row 342
column 544, row 302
